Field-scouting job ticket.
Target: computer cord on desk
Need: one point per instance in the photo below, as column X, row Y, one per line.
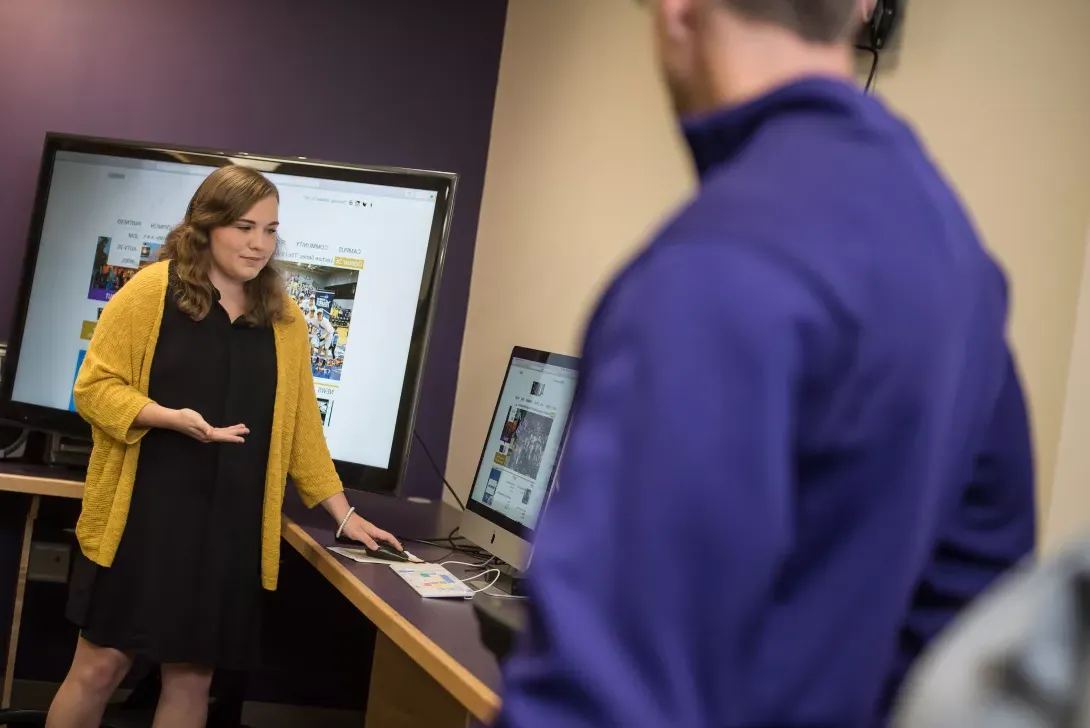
column 483, row 574
column 478, row 575
column 487, row 586
column 501, row 595
column 14, row 446
column 448, row 543
column 453, row 548
column 479, row 565
column 438, row 470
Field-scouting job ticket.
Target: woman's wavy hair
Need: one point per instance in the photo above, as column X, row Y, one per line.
column 224, row 197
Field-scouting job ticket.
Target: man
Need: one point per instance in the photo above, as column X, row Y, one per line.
column 311, row 318
column 324, row 331
column 800, row 444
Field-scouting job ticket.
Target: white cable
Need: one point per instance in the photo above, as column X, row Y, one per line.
column 478, row 575
column 483, row 588
column 501, row 595
column 480, row 565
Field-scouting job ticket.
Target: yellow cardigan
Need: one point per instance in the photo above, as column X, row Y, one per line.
column 112, row 388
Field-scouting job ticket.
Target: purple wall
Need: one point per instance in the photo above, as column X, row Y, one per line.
column 391, row 82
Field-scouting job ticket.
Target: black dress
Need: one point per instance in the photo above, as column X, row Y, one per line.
column 185, row 585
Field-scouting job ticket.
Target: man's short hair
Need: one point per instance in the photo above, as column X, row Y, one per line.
column 817, row 21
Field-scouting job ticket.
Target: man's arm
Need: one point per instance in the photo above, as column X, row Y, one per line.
column 992, row 528
column 660, row 550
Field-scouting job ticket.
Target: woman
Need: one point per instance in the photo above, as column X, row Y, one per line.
column 198, row 388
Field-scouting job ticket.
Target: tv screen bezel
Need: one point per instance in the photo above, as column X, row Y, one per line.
column 354, row 476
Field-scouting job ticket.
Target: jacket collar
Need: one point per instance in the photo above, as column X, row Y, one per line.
column 718, row 136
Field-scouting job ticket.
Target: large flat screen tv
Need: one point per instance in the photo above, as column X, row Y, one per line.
column 365, row 244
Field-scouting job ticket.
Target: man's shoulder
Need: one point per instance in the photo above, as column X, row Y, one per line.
column 867, row 219
column 711, row 284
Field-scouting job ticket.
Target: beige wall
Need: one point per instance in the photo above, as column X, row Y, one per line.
column 584, row 160
column 1001, row 92
column 1068, row 515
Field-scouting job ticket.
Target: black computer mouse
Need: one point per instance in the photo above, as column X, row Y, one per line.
column 385, row 551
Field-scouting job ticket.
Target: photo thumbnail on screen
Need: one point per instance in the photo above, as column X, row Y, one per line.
column 327, row 296
column 116, row 262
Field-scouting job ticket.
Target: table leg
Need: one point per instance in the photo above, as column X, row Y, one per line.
column 20, row 595
column 402, row 695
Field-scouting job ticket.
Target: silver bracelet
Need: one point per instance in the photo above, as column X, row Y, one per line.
column 344, row 521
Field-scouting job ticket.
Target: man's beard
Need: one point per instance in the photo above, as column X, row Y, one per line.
column 686, row 84
column 684, row 97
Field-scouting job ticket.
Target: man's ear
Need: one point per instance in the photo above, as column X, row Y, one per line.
column 864, row 10
column 677, row 17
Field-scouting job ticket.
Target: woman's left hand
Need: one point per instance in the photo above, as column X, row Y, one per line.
column 367, row 533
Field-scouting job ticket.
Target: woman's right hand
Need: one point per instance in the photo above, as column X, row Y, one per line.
column 188, row 422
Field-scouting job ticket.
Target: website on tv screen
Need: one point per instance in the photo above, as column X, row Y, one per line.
column 353, row 256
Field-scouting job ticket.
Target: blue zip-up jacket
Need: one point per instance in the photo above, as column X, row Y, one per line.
column 799, row 446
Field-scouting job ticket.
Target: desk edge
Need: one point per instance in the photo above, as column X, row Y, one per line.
column 477, row 697
column 35, row 485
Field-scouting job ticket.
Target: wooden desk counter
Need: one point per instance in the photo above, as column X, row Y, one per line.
column 36, row 483
column 439, row 637
column 430, row 665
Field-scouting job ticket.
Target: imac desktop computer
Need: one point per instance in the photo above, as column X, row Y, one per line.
column 517, row 469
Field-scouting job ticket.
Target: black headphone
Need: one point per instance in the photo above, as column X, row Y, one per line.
column 879, row 29
column 877, row 32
